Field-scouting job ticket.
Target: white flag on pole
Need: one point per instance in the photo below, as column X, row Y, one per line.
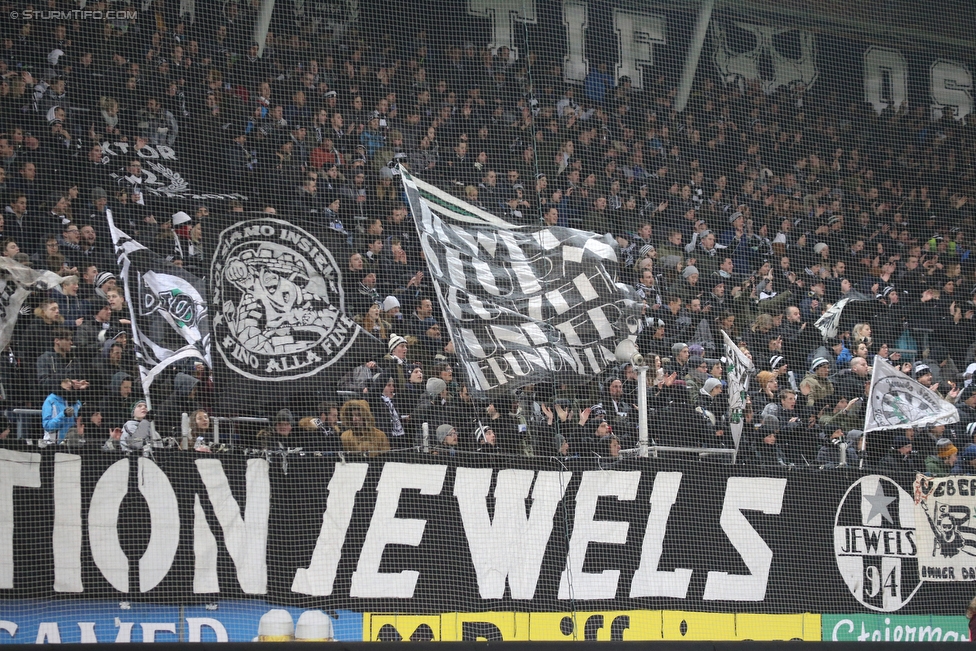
column 737, row 370
column 896, row 401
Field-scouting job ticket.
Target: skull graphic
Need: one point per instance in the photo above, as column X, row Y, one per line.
column 767, row 63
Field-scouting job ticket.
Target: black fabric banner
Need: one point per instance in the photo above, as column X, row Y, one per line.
column 279, row 315
column 416, row 533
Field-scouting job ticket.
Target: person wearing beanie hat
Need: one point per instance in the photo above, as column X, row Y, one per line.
column 397, row 346
column 137, row 431
column 711, row 411
column 901, row 458
column 712, row 387
column 436, row 387
column 966, row 463
column 485, row 439
column 447, row 440
column 383, row 402
column 815, row 384
column 940, row 463
column 284, row 422
column 922, row 374
column 391, row 308
column 689, row 271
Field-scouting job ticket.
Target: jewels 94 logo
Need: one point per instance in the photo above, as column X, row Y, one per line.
column 875, row 543
column 279, row 302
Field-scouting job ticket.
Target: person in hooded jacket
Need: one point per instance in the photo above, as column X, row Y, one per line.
column 61, row 411
column 115, row 406
column 435, row 410
column 137, row 431
column 711, row 411
column 361, row 434
column 182, row 400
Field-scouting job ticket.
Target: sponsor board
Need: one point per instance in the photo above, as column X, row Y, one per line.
column 35, row 621
column 592, row 626
column 878, row 627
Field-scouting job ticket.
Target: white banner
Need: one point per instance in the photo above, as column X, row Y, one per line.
column 738, row 368
column 945, row 529
column 896, row 401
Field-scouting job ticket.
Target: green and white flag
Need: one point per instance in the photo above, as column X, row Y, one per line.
column 167, row 307
column 738, row 368
column 897, row 401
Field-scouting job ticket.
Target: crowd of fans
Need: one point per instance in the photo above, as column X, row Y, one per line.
column 747, row 213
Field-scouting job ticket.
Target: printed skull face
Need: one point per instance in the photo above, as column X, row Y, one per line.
column 771, row 56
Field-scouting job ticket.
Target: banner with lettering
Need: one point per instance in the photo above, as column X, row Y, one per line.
column 389, row 535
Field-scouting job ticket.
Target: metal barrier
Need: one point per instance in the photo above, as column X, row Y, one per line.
column 236, row 419
column 701, row 452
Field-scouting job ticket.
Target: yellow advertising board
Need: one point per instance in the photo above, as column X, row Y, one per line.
column 596, row 625
column 484, row 627
column 778, row 627
column 591, row 626
column 395, row 628
column 681, row 625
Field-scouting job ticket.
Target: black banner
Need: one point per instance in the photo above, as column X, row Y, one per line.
column 421, row 534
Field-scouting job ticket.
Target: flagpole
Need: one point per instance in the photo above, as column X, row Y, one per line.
column 867, row 412
column 642, row 437
column 124, row 273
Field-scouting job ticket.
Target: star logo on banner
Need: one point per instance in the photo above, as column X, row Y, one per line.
column 879, row 505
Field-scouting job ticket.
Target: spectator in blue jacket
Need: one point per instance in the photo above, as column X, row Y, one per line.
column 61, row 412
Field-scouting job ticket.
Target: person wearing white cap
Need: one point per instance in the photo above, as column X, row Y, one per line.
column 391, row 309
column 815, row 386
column 395, row 360
column 711, row 409
column 276, row 626
column 314, row 626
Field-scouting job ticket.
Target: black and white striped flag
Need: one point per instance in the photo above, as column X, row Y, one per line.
column 829, row 321
column 522, row 304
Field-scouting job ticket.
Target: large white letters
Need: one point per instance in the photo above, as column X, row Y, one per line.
column 318, row 577
column 103, row 517
column 164, row 534
column 637, row 34
column 386, row 529
column 575, row 583
column 648, row 580
column 16, row 469
column 763, row 494
column 885, row 78
column 524, row 539
column 502, row 14
column 950, row 85
column 246, row 538
column 66, row 538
